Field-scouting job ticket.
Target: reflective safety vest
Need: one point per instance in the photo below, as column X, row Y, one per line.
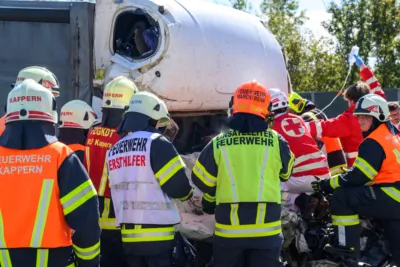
column 390, row 169
column 2, row 124
column 31, row 213
column 136, row 192
column 99, row 140
column 77, row 147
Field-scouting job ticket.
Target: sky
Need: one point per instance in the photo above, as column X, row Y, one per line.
column 315, row 11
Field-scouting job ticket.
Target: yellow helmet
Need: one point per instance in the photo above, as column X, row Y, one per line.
column 296, row 102
column 40, row 75
column 150, row 105
column 118, row 92
column 77, row 114
column 31, row 101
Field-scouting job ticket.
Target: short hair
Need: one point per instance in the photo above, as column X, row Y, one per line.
column 356, row 91
column 393, row 106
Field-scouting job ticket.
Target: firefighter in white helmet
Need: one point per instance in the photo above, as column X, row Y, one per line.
column 116, row 96
column 76, row 118
column 145, row 161
column 41, row 181
column 40, row 75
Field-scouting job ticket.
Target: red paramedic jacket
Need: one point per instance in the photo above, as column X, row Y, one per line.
column 98, row 142
column 309, row 160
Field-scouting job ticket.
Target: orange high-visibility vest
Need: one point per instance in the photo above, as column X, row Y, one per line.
column 335, row 155
column 31, row 214
column 77, row 147
column 390, row 169
column 2, row 124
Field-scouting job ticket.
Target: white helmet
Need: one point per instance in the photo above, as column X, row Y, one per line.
column 77, row 114
column 40, row 75
column 150, row 105
column 373, row 105
column 278, row 99
column 118, row 93
column 31, row 101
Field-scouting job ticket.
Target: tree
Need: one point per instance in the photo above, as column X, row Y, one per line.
column 243, row 5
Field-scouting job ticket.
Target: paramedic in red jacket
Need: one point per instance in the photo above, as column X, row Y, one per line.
column 309, row 159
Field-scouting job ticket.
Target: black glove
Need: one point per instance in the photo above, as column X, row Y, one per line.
column 322, row 186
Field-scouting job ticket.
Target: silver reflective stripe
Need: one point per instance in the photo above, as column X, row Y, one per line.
column 342, row 221
column 262, row 178
column 170, row 169
column 365, row 169
column 4, row 254
column 89, row 253
column 351, row 155
column 87, row 189
column 234, row 210
column 41, row 213
column 261, row 211
column 42, row 257
column 228, row 166
column 147, row 234
column 203, row 175
column 248, row 231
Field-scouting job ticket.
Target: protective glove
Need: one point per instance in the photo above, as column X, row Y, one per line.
column 322, row 186
column 359, row 61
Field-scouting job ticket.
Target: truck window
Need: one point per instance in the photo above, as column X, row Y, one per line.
column 136, row 34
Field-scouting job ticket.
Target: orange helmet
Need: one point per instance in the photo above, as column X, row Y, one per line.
column 252, row 98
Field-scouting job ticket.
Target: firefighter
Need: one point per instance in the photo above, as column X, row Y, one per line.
column 239, row 172
column 299, row 105
column 49, row 207
column 76, row 119
column 372, row 187
column 116, row 96
column 39, row 74
column 309, row 159
column 145, row 168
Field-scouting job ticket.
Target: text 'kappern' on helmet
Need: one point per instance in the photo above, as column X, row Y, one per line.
column 373, row 105
column 31, row 101
column 40, row 75
column 150, row 105
column 279, row 99
column 252, row 98
column 118, row 92
column 77, row 114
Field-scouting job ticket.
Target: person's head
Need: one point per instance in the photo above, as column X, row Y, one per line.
column 394, row 110
column 354, row 92
column 296, row 103
column 118, row 92
column 251, row 98
column 371, row 110
column 279, row 101
column 77, row 114
column 40, row 75
column 30, row 101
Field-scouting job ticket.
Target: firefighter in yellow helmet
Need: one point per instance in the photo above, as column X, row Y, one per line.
column 116, row 96
column 76, row 118
column 40, row 75
column 43, row 216
column 240, row 172
column 147, row 162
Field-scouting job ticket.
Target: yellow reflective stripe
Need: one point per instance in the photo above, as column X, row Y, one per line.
column 334, row 182
column 108, row 224
column 261, row 211
column 234, row 214
column 209, row 198
column 365, row 168
column 78, row 196
column 106, row 210
column 87, row 155
column 337, row 169
column 204, row 175
column 248, row 230
column 345, row 220
column 169, row 170
column 286, row 175
column 185, row 197
column 71, row 265
column 41, row 213
column 147, row 235
column 392, row 192
column 5, row 260
column 42, row 258
column 103, row 180
column 87, row 253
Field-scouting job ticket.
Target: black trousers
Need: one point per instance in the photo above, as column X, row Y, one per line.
column 366, row 201
column 239, row 257
column 111, row 250
column 163, row 259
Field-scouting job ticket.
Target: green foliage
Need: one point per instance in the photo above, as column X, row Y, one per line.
column 320, row 64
